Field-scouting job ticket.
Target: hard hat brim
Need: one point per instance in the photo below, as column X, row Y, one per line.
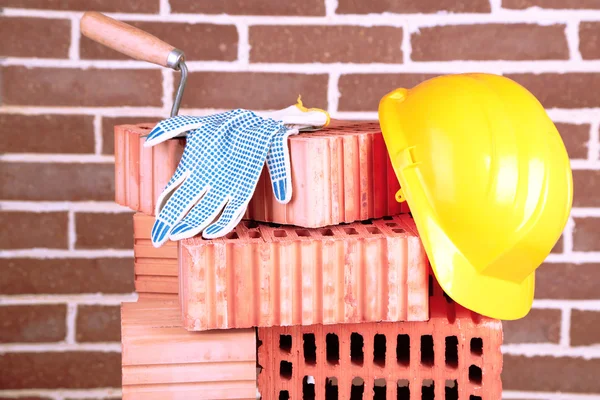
column 485, row 295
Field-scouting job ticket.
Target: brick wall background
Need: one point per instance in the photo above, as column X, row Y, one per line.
column 66, row 260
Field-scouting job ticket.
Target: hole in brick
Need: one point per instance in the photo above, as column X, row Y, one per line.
column 379, row 349
column 379, row 389
column 398, row 230
column 475, row 374
column 430, row 285
column 285, row 343
column 379, row 382
column 391, row 224
column 350, row 231
column 452, row 351
column 358, row 389
column 232, row 235
column 476, row 346
column 403, row 390
column 367, row 222
column 285, row 370
column 373, row 230
column 251, row 224
column 403, row 350
column 254, row 234
column 331, row 389
column 427, row 355
column 332, row 344
column 451, row 390
column 308, row 388
column 284, row 395
column 310, row 348
column 326, row 232
column 473, row 397
column 388, row 218
column 303, row 232
column 356, row 349
column 428, row 390
column 280, row 233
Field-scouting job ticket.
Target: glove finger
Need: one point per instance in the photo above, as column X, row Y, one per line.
column 175, row 209
column 279, row 166
column 176, row 181
column 172, row 127
column 201, row 215
column 175, row 126
column 232, row 214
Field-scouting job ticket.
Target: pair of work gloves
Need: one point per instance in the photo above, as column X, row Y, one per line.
column 222, row 161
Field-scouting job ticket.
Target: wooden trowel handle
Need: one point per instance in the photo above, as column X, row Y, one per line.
column 128, row 40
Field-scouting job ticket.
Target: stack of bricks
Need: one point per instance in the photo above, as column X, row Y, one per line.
column 330, row 296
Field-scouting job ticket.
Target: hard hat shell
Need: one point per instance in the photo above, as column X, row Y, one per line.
column 488, row 181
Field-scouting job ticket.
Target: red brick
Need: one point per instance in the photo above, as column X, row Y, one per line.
column 35, row 323
column 412, row 6
column 108, row 129
column 58, row 370
column 589, row 40
column 490, row 42
column 332, row 192
column 585, row 328
column 586, row 234
column 567, row 281
column 81, row 88
column 66, row 276
column 449, row 328
column 38, row 181
column 156, row 269
column 27, row 230
column 111, row 398
column 552, row 4
column 362, row 92
column 219, row 42
column 25, row 398
column 325, row 44
column 551, row 374
column 20, row 133
column 576, row 138
column 98, row 324
column 558, row 247
column 586, row 184
column 539, row 326
column 335, row 287
column 146, row 6
column 100, row 230
column 35, row 37
column 240, row 7
column 161, row 360
column 254, row 90
column 569, row 90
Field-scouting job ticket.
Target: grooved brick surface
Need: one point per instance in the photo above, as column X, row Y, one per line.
column 155, row 269
column 260, row 275
column 339, row 174
column 454, row 355
column 161, row 360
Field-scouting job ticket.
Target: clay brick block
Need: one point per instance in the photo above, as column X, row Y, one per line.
column 454, row 355
column 340, row 174
column 155, row 269
column 161, row 360
column 261, row 275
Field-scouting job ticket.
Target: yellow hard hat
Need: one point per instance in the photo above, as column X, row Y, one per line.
column 488, row 181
